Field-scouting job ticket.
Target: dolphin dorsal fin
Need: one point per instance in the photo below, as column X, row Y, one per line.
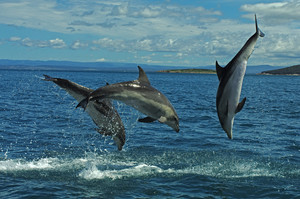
column 142, row 76
column 220, row 70
column 240, row 106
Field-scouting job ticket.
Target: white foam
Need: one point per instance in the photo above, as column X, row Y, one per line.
column 211, row 169
column 41, row 164
column 108, row 166
column 136, row 171
column 17, row 165
column 236, row 170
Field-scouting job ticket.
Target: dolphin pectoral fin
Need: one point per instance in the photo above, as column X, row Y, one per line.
column 142, row 76
column 162, row 119
column 147, row 120
column 83, row 103
column 220, row 70
column 240, row 105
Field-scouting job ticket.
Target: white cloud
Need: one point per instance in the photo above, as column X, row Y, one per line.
column 14, row 39
column 150, row 44
column 182, row 30
column 276, row 13
column 179, row 55
column 101, row 60
column 28, row 42
column 113, row 17
column 147, row 13
column 119, row 10
column 78, row 45
column 57, row 43
column 32, row 14
column 110, row 44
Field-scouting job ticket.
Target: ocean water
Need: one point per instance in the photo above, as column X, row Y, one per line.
column 49, row 149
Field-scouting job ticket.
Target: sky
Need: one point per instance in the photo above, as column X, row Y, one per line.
column 165, row 32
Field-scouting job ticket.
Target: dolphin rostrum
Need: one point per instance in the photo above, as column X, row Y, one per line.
column 231, row 80
column 102, row 112
column 140, row 95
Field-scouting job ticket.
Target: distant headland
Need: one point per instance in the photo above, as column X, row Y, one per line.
column 201, row 71
column 50, row 65
column 292, row 70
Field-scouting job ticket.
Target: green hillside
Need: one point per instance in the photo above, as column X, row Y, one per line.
column 292, row 70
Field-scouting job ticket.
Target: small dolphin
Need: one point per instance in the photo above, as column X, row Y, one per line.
column 102, row 112
column 231, row 80
column 140, row 95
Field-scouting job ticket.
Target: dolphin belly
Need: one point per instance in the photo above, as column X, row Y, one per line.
column 147, row 106
column 234, row 87
column 230, row 89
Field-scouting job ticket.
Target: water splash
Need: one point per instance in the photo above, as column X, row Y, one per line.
column 119, row 166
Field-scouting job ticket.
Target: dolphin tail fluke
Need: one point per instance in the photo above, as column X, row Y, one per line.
column 83, row 103
column 260, row 33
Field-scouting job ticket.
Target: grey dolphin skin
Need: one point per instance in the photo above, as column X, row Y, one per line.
column 231, row 80
column 102, row 112
column 140, row 95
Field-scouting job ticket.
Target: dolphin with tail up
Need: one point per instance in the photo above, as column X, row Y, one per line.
column 230, row 85
column 140, row 95
column 102, row 112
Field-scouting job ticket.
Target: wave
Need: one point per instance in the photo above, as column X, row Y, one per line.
column 116, row 166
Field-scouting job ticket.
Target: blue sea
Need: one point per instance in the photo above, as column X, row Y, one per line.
column 49, row 149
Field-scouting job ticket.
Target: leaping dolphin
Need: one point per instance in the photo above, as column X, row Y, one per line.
column 231, row 80
column 102, row 112
column 140, row 95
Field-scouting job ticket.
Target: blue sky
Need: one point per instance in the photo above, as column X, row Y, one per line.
column 170, row 32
